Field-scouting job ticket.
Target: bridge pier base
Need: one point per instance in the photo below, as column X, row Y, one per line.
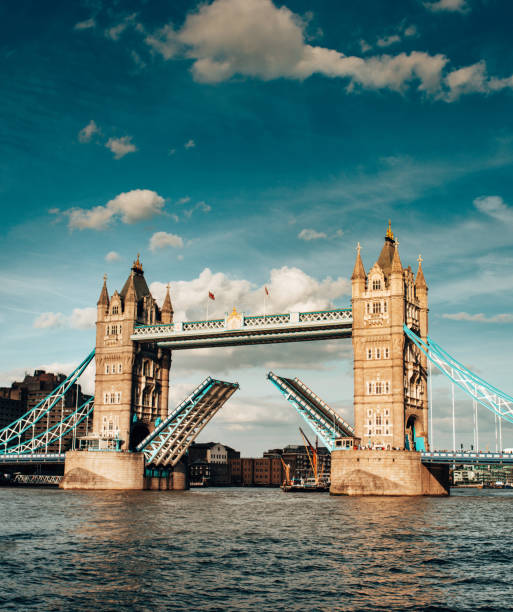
column 103, row 470
column 378, row 472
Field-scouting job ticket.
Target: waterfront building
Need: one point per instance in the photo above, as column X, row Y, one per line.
column 24, row 395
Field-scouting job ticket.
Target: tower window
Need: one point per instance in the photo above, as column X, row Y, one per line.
column 386, row 352
column 369, row 388
column 107, row 368
column 385, row 307
column 120, row 368
column 378, row 388
column 387, row 387
column 378, row 353
column 376, row 284
column 376, row 307
column 369, row 353
column 378, row 420
column 115, row 310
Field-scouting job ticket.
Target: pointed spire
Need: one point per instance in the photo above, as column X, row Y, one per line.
column 167, row 308
column 129, row 292
column 397, row 266
column 359, row 270
column 104, row 295
column 420, row 281
column 390, row 234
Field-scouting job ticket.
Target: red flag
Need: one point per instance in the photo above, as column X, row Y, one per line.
column 266, row 291
column 211, row 295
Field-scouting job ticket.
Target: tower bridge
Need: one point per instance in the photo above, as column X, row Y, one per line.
column 387, row 450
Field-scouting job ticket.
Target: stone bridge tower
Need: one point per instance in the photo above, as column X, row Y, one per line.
column 132, row 380
column 390, row 376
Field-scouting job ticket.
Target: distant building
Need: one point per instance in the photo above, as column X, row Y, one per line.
column 213, row 463
column 25, row 395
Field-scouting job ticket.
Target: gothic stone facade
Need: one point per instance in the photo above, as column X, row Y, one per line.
column 390, row 376
column 132, row 379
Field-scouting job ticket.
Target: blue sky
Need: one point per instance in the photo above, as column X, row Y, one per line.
column 243, row 143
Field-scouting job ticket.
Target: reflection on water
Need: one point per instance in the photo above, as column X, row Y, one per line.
column 254, row 549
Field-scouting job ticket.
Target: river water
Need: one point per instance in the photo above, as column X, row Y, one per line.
column 254, row 549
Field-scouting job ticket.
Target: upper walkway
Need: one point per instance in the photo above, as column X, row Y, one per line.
column 467, row 457
column 237, row 329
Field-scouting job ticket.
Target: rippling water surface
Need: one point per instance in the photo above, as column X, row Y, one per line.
column 254, row 549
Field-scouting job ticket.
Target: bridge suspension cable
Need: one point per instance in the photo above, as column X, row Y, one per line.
column 15, row 430
column 493, row 399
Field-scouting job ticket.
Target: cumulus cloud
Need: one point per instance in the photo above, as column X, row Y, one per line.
column 459, row 6
column 479, row 317
column 495, row 207
column 162, row 240
column 310, row 234
column 130, row 207
column 470, row 79
column 257, row 39
column 85, row 25
column 80, row 318
column 112, row 256
column 121, row 146
column 290, row 289
column 87, row 132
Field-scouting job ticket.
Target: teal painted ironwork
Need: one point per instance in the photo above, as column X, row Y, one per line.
column 493, row 399
column 31, row 417
column 322, row 419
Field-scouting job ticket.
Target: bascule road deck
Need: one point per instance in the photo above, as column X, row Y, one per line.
column 237, row 329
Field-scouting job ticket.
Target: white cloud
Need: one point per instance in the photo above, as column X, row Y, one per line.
column 85, row 25
column 81, row 318
column 290, row 289
column 459, row 6
column 112, row 256
column 115, row 32
column 257, row 39
column 190, row 144
column 87, row 132
column 203, row 206
column 494, row 206
column 172, row 151
column 310, row 234
column 364, row 46
column 131, row 206
column 467, row 80
column 183, row 200
column 386, row 41
column 121, row 146
column 479, row 317
column 162, row 240
column 49, row 320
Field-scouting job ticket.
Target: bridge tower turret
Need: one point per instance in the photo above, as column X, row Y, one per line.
column 390, row 378
column 132, row 380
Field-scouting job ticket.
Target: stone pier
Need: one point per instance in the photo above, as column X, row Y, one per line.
column 379, row 472
column 103, row 470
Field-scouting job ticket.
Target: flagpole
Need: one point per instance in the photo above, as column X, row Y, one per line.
column 208, row 297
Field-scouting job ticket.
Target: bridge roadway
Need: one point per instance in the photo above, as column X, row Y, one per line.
column 459, row 458
column 237, row 329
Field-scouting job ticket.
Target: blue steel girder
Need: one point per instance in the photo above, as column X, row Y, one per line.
column 325, row 422
column 54, row 433
column 494, row 400
column 30, row 418
column 171, row 439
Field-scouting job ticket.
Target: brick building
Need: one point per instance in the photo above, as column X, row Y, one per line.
column 25, row 395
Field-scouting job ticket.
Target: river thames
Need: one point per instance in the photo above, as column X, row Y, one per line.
column 254, row 549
